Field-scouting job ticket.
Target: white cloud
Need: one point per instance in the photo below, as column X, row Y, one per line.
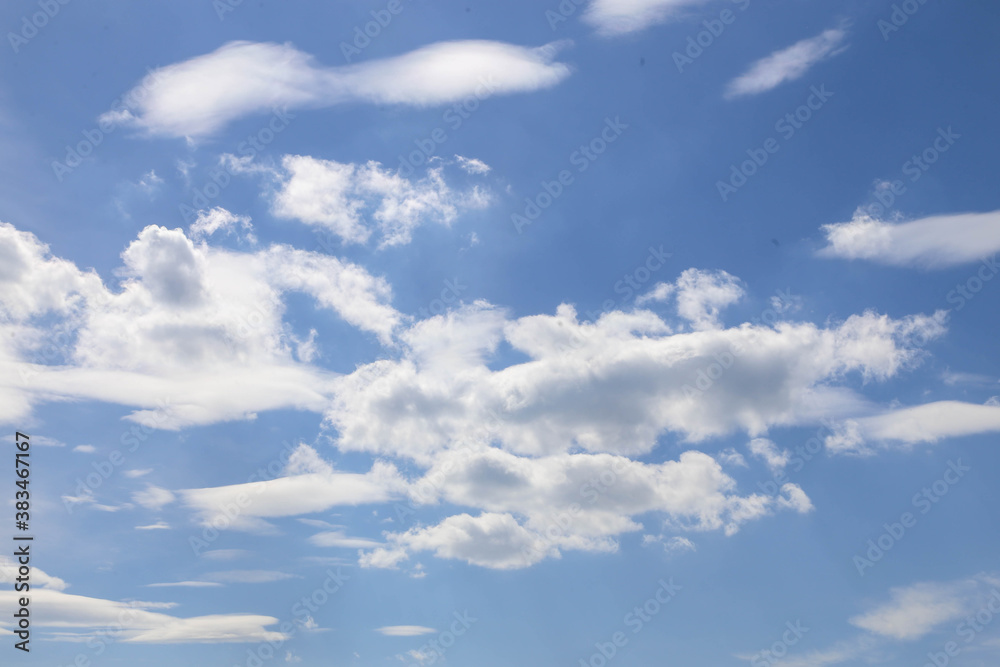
column 337, row 538
column 787, row 64
column 341, row 197
column 159, row 525
column 766, row 450
column 85, row 617
column 615, row 385
column 218, row 219
column 927, row 423
column 135, row 474
column 404, row 630
column 934, row 242
column 471, row 165
column 85, row 449
column 914, row 611
column 700, row 296
column 309, row 485
column 153, row 497
column 186, row 584
column 618, row 17
column 248, row 576
column 200, row 96
column 194, row 335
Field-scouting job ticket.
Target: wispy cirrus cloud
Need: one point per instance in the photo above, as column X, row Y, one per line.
column 787, row 64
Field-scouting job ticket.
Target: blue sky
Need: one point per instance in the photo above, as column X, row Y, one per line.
column 602, row 332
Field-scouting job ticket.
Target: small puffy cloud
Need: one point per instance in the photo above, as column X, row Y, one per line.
column 135, row 474
column 934, row 242
column 702, row 294
column 200, row 96
column 776, row 459
column 85, row 449
column 404, row 630
column 219, row 219
column 353, row 201
column 787, row 64
column 471, row 165
column 153, row 497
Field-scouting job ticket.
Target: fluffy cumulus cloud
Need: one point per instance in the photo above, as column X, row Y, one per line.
column 787, row 64
column 619, row 17
column 700, row 296
column 194, row 334
column 935, row 242
column 343, row 198
column 200, row 96
column 615, row 385
column 77, row 618
column 539, row 456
